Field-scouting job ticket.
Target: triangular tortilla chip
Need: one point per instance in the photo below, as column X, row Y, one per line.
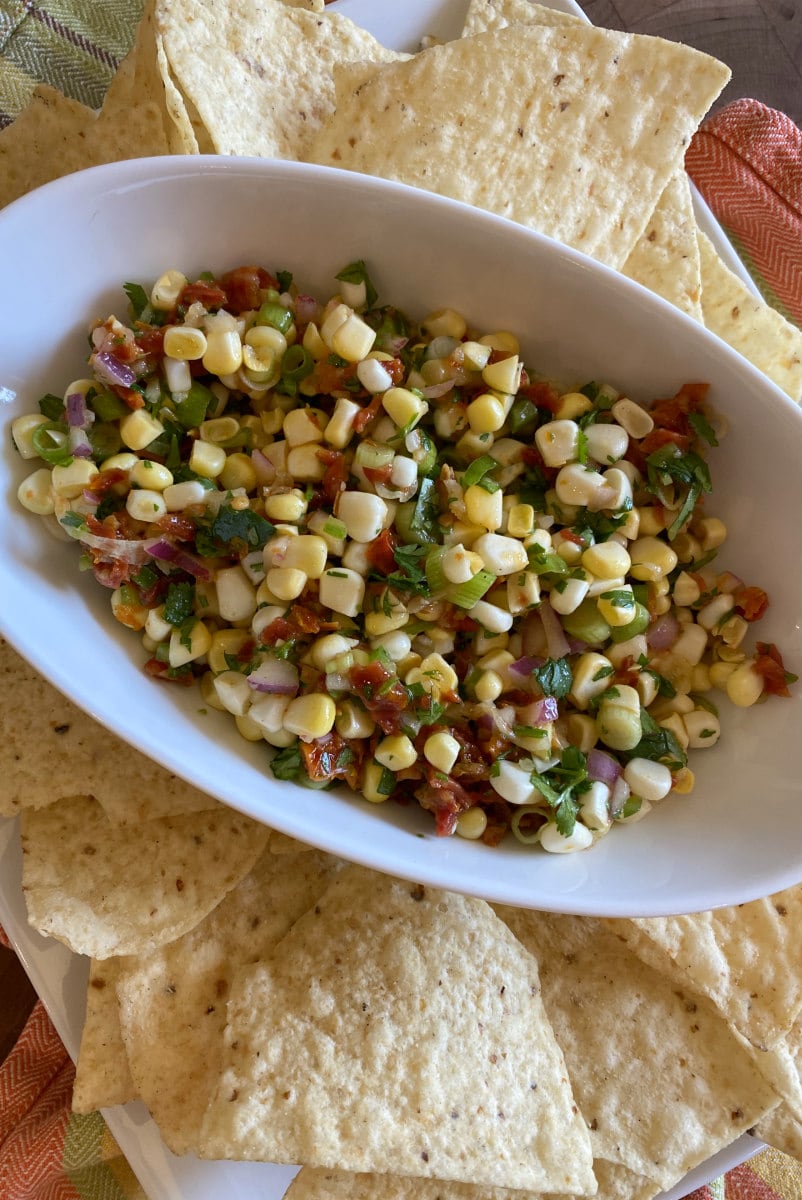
column 102, row 1077
column 106, row 889
column 399, row 1029
column 579, row 112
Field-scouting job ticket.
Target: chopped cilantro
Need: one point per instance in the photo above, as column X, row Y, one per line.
column 137, row 298
column 357, row 272
column 284, row 280
column 52, row 407
column 232, row 528
column 288, row 764
column 555, row 677
column 658, row 744
column 179, row 603
column 702, row 428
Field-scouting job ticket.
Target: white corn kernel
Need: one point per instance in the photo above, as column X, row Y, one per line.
column 340, row 428
column 343, row 591
column 491, row 617
column 686, row 590
column 373, row 376
column 606, row 443
column 305, row 464
column 523, row 591
column 166, row 290
column 156, row 627
column 471, row 824
column 35, row 493
column 307, row 553
column 236, row 595
column 745, row 685
column 595, row 807
column 702, row 727
column 352, row 721
column 133, row 616
column 715, row 610
column 501, row 555
column 504, row 375
column 647, row 779
column 223, row 354
column 363, row 514
column 555, row 843
column 444, row 322
column 268, row 713
column 691, row 644
column 178, row 496
column 592, row 674
column 573, row 405
column 513, row 782
column 617, row 606
column 234, row 692
column 186, row 648
column 396, row 644
column 576, row 485
column 634, row 419
column 567, row 597
column 558, row 442
column 286, row 583
column 22, row 431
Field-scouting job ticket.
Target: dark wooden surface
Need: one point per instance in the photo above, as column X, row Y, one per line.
column 761, row 40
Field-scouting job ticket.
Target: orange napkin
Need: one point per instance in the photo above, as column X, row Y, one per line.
column 746, row 161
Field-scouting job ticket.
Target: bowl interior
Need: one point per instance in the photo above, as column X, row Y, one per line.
column 65, row 252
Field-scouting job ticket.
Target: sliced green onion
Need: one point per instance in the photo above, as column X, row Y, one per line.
column 52, row 443
column 435, row 575
column 192, row 409
column 526, row 810
column 465, row 595
column 276, row 315
column 386, row 784
column 477, row 470
column 334, row 528
column 373, row 455
column 297, row 363
column 107, row 407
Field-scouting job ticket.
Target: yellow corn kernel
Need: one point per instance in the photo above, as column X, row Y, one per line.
column 471, row 824
column 225, row 645
column 484, row 508
column 504, row 375
column 445, row 322
column 353, row 339
column 606, row 560
column 404, row 407
column 166, row 290
column 582, row 732
column 286, row 506
column 520, row 520
column 36, row 493
column 185, row 649
column 572, row 406
column 311, row 716
column 148, row 474
column 69, row 481
column 286, row 583
column 686, row 590
column 308, row 553
column 486, row 414
column 313, row 342
column 238, row 472
column 652, row 520
column 206, row 459
column 304, row 463
column 687, row 548
column 711, row 532
column 223, row 354
column 396, row 752
column 304, row 425
column 184, row 342
column 501, row 339
column 248, row 728
column 652, row 559
column 370, row 783
column 488, row 686
column 618, row 718
column 441, row 750
column 143, row 504
column 676, row 725
column 684, row 780
column 209, row 692
column 745, row 685
column 138, row 429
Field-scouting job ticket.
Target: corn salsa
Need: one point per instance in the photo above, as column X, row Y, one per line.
column 400, row 557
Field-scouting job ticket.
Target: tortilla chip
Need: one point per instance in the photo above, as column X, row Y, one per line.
column 51, row 749
column 557, row 104
column 744, row 958
column 102, row 1077
column 282, row 843
column 153, row 78
column 173, row 1001
column 666, row 256
column 317, row 1183
column 399, row 1029
column 55, row 136
column 782, row 1128
column 659, row 1077
column 485, row 15
column 748, row 324
column 259, row 73
column 106, row 889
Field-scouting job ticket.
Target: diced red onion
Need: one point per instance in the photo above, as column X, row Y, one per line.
column 663, row 632
column 540, row 712
column 276, row 676
column 110, row 370
column 263, row 467
column 435, row 390
column 533, row 635
column 556, row 641
column 79, row 415
column 394, row 344
column 306, row 309
column 80, row 446
column 337, row 681
column 577, row 646
column 602, row 767
column 527, row 665
column 167, row 551
column 619, row 796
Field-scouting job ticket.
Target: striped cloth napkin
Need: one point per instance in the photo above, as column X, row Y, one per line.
column 747, row 163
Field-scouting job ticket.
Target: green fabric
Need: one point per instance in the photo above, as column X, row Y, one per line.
column 75, row 45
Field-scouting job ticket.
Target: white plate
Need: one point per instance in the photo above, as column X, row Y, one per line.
column 60, row 977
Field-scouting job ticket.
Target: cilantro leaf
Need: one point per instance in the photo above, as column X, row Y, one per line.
column 555, row 677
column 658, row 744
column 702, row 428
column 137, row 298
column 288, row 764
column 179, row 603
column 238, row 528
column 357, row 272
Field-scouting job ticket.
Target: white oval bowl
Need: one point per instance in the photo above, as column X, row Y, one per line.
column 65, row 252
